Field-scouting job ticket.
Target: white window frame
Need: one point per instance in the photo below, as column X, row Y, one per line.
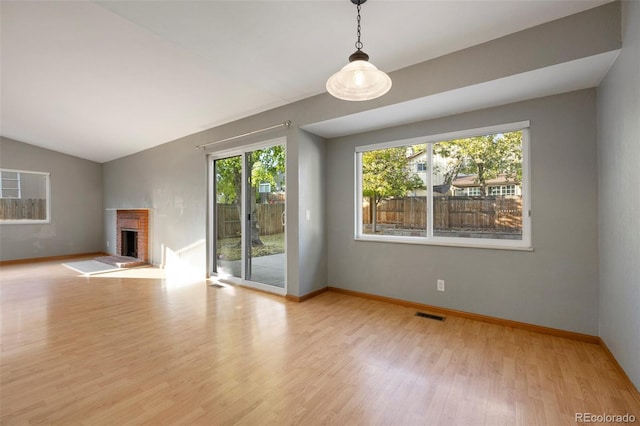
column 262, row 186
column 523, row 244
column 503, row 190
column 3, row 189
column 47, row 219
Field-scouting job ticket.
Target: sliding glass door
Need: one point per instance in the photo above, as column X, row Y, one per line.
column 228, row 211
column 248, row 216
column 266, row 219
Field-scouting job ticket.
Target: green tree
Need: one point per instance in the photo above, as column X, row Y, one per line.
column 487, row 157
column 385, row 174
column 228, row 180
column 266, row 166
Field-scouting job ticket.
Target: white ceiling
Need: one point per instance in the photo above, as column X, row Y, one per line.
column 102, row 80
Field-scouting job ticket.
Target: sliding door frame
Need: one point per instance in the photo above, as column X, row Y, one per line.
column 212, row 156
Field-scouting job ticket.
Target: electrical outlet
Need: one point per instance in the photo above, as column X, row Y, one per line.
column 440, row 285
column 107, row 244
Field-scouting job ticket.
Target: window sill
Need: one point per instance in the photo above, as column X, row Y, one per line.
column 24, row 222
column 442, row 243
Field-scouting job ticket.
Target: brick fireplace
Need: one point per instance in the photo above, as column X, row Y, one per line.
column 132, row 234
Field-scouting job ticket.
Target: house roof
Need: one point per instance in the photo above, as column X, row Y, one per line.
column 417, row 154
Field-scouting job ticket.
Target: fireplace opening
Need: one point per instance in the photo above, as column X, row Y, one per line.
column 129, row 243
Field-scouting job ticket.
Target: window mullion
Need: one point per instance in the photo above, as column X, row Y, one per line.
column 359, row 195
column 429, row 199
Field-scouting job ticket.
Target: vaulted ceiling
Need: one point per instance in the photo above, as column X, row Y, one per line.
column 102, row 80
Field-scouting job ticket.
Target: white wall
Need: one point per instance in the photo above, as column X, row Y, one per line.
column 619, row 199
column 76, row 205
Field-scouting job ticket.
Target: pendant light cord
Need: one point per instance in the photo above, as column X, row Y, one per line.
column 358, row 43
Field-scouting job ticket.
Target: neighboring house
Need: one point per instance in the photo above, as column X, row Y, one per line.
column 418, row 165
column 466, row 185
column 272, row 193
column 461, row 186
column 469, row 186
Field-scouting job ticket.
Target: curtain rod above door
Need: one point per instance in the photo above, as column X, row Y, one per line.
column 286, row 123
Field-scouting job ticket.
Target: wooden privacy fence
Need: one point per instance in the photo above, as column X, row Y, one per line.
column 20, row 208
column 502, row 214
column 269, row 219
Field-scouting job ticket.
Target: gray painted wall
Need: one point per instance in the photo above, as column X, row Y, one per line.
column 170, row 180
column 312, row 201
column 619, row 201
column 553, row 286
column 76, row 205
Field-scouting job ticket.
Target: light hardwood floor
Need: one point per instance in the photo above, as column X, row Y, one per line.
column 114, row 350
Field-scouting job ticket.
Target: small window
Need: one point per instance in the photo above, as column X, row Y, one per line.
column 264, row 187
column 502, row 191
column 474, row 191
column 509, row 190
column 24, row 197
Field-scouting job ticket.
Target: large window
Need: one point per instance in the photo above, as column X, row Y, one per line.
column 471, row 191
column 24, row 197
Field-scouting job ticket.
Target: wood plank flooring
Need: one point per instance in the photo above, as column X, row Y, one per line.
column 135, row 348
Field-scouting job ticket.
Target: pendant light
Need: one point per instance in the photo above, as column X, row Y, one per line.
column 359, row 80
